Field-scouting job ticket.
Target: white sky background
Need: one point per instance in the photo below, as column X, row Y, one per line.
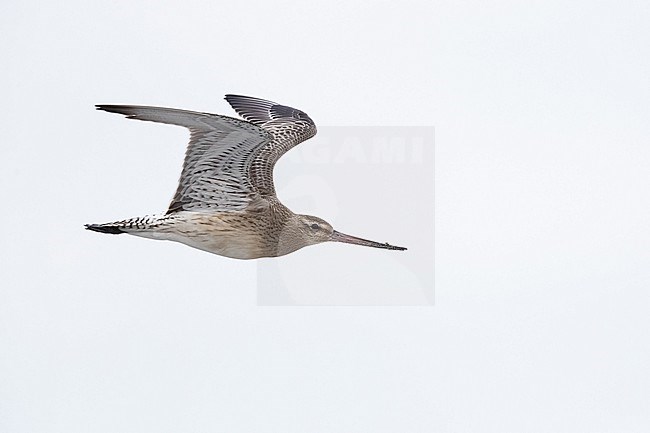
column 542, row 262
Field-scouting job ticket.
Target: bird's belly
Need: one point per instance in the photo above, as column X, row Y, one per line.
column 220, row 236
column 227, row 246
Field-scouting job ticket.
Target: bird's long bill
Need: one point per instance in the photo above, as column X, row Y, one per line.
column 340, row 237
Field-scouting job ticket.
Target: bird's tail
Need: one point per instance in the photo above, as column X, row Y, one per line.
column 134, row 226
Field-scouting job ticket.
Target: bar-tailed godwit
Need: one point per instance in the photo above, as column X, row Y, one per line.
column 226, row 202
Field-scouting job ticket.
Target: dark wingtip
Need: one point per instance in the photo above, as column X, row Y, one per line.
column 130, row 111
column 100, row 228
column 229, row 97
column 120, row 109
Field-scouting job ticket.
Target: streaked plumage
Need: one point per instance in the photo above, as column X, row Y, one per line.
column 225, row 202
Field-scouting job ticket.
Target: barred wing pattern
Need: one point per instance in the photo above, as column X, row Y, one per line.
column 288, row 126
column 221, row 148
column 229, row 162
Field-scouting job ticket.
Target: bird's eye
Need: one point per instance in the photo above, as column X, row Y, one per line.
column 315, row 226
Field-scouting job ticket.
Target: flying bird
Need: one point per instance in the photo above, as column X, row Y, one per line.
column 225, row 202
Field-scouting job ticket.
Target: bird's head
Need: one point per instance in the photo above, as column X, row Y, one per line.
column 310, row 230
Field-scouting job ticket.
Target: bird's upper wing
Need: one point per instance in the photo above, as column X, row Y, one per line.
column 219, row 155
column 229, row 162
column 288, row 127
